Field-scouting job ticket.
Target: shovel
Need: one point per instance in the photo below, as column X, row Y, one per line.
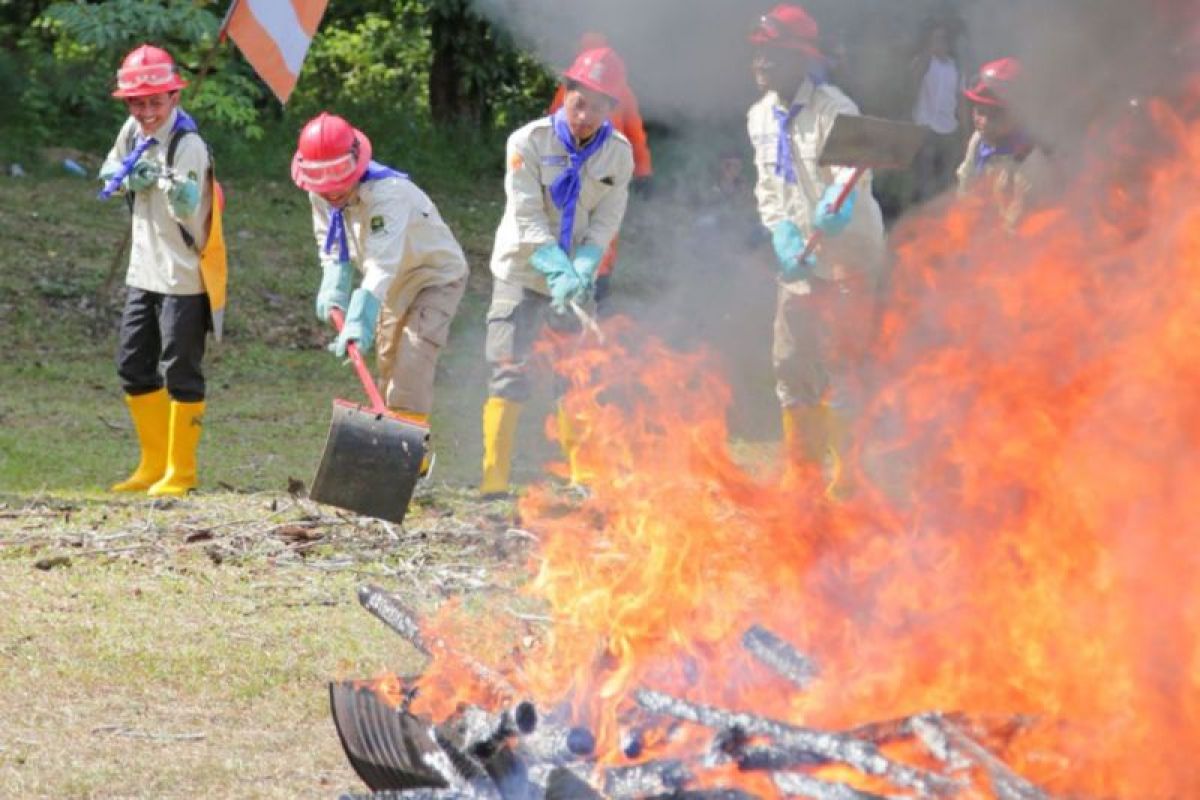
column 372, row 457
column 865, row 143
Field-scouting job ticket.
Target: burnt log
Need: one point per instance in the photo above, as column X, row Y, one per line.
column 665, row 777
column 718, row 793
column 797, row 784
column 562, row 784
column 391, row 612
column 948, row 743
column 779, row 655
column 863, row 756
column 557, row 744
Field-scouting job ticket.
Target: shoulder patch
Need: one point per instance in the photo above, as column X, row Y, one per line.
column 516, row 162
column 377, row 224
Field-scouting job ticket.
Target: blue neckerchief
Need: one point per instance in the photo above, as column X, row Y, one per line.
column 337, row 220
column 1015, row 144
column 183, row 122
column 784, row 166
column 564, row 191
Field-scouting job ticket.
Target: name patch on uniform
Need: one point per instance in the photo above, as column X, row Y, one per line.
column 377, row 224
column 554, row 161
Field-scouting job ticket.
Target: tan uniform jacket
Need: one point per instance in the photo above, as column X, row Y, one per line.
column 535, row 158
column 860, row 247
column 397, row 240
column 1015, row 184
column 160, row 260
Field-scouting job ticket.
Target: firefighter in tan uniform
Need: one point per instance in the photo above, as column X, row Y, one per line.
column 161, row 165
column 567, row 185
column 825, row 304
column 372, row 219
column 1001, row 156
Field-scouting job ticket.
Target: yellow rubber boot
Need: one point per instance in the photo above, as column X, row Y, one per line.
column 186, row 425
column 427, row 459
column 804, row 434
column 499, row 433
column 151, row 415
column 841, row 481
column 568, row 440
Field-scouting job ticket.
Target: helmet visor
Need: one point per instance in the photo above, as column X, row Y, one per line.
column 336, row 170
column 148, row 75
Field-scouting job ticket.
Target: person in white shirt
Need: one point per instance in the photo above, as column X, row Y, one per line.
column 826, row 298
column 371, row 220
column 566, row 186
column 162, row 166
column 939, row 108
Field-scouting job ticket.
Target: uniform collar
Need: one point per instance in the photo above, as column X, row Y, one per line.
column 803, row 95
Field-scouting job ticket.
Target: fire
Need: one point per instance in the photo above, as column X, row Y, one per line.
column 1024, row 541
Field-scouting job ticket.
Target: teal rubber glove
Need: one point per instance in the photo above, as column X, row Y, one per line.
column 587, row 262
column 563, row 282
column 335, row 288
column 184, row 197
column 789, row 244
column 143, row 175
column 361, row 317
column 825, row 219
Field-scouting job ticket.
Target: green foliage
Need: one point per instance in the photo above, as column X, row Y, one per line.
column 372, row 61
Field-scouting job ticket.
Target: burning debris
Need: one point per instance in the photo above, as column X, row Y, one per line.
column 521, row 754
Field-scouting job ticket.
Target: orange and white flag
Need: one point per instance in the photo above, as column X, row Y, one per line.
column 274, row 36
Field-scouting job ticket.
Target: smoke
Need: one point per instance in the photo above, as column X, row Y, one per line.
column 695, row 265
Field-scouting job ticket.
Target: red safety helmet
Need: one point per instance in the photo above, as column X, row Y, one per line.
column 789, row 26
column 145, row 71
column 995, row 82
column 600, row 70
column 331, row 155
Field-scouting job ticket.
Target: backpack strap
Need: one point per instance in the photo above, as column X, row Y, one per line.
column 172, row 147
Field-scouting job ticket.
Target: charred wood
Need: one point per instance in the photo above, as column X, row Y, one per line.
column 939, row 733
column 507, row 771
column 558, row 744
column 562, row 784
column 706, row 794
column 779, row 655
column 770, row 758
column 861, row 755
column 652, row 778
column 391, row 612
column 797, row 784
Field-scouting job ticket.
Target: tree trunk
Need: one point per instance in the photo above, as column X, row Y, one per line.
column 457, row 37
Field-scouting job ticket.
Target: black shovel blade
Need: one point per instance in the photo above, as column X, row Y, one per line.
column 371, row 462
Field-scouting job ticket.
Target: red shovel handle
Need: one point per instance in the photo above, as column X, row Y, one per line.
column 338, row 317
column 816, row 237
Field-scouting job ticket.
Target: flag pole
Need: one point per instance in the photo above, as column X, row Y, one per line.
column 222, row 34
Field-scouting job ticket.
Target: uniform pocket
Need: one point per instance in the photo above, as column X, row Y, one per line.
column 433, row 325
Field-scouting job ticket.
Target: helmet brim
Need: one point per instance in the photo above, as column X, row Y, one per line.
column 342, row 184
column 607, row 91
column 764, row 39
column 983, row 96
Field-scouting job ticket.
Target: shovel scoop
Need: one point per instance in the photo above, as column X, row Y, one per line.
column 865, row 143
column 373, row 456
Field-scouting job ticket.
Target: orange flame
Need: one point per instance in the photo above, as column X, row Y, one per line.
column 1025, row 540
